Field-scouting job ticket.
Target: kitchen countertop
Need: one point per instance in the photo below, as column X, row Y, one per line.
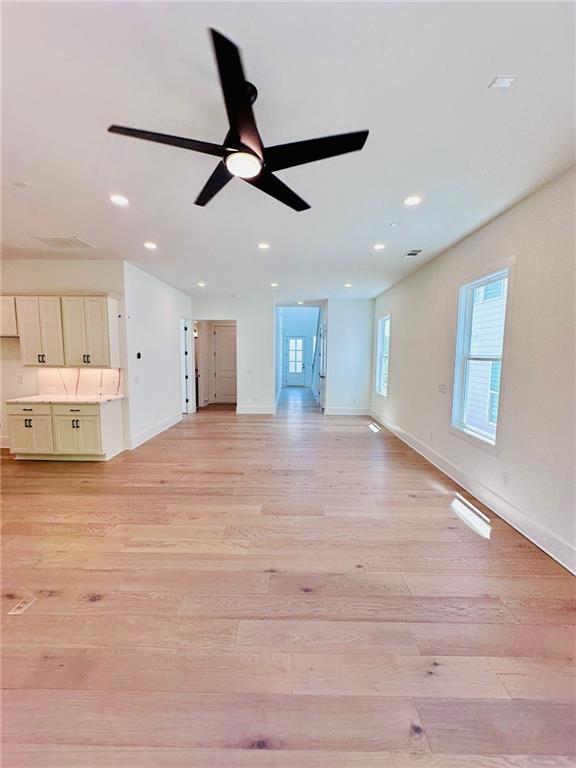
column 65, row 399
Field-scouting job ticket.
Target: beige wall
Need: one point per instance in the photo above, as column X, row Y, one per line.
column 529, row 477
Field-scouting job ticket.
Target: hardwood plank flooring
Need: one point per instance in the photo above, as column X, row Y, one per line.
column 275, row 592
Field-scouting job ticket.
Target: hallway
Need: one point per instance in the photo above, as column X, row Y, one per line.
column 297, row 401
column 294, row 585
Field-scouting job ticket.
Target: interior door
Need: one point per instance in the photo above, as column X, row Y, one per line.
column 51, row 330
column 295, row 365
column 322, row 364
column 29, row 329
column 224, row 364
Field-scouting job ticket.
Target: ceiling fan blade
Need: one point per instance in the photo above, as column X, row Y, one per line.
column 301, row 152
column 235, row 90
column 174, row 141
column 272, row 185
column 219, row 178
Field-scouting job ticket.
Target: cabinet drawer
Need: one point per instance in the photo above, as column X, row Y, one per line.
column 28, row 408
column 78, row 409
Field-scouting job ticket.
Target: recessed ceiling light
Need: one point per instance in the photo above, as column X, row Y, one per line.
column 273, row 285
column 379, row 246
column 299, row 302
column 413, row 200
column 394, row 224
column 348, row 285
column 119, row 200
column 150, row 246
column 243, row 164
column 201, row 285
column 263, row 246
column 502, row 81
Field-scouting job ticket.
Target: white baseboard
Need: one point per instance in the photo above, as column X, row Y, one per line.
column 345, row 411
column 246, row 410
column 147, row 434
column 561, row 551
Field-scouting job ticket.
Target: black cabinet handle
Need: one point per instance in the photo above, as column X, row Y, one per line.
column 27, row 423
column 83, row 358
column 88, row 359
column 39, row 358
column 74, row 410
column 43, row 358
column 27, row 409
column 77, row 423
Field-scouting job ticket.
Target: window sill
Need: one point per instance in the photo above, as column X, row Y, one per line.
column 382, row 395
column 475, row 439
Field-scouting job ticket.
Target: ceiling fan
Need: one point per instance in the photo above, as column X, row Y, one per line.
column 242, row 153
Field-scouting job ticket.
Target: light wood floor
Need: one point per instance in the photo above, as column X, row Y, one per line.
column 275, row 592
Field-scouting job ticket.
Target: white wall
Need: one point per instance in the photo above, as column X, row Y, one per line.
column 278, row 352
column 528, row 478
column 349, row 356
column 255, row 342
column 299, row 321
column 153, row 312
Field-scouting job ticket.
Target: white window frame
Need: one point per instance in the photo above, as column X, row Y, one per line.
column 379, row 356
column 462, row 356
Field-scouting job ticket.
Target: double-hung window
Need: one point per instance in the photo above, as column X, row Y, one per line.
column 383, row 356
column 479, row 345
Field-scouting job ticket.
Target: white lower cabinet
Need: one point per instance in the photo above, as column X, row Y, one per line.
column 57, row 430
column 77, row 435
column 31, row 434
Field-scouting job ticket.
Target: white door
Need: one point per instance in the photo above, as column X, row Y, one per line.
column 88, row 434
column 65, row 434
column 322, row 367
column 21, row 434
column 42, row 434
column 29, row 330
column 95, row 308
column 295, row 370
column 8, row 325
column 74, row 325
column 224, row 364
column 51, row 330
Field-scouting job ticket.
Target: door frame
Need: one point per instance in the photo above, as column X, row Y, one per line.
column 187, row 367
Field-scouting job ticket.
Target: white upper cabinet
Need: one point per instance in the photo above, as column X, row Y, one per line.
column 8, row 324
column 91, row 331
column 40, row 330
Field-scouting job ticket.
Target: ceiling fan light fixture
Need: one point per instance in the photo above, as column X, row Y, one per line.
column 243, row 164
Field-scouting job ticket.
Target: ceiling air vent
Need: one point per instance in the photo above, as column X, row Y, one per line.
column 65, row 242
column 412, row 254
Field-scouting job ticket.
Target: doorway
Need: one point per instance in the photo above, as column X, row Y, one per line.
column 215, row 362
column 297, row 356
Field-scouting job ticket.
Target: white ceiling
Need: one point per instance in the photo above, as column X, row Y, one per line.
column 416, row 75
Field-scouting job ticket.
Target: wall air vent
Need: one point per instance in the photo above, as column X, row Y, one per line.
column 75, row 243
column 412, row 254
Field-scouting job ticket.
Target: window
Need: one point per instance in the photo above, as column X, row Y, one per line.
column 383, row 358
column 295, row 355
column 480, row 340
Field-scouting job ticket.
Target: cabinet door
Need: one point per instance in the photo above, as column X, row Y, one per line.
column 74, row 326
column 65, row 434
column 8, row 326
column 42, row 434
column 88, row 435
column 29, row 329
column 21, row 436
column 96, row 309
column 51, row 330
